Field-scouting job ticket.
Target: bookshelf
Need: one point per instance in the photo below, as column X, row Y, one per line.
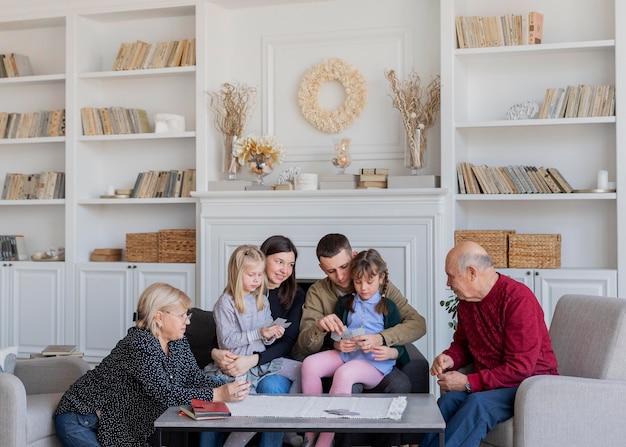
column 74, row 70
column 579, row 47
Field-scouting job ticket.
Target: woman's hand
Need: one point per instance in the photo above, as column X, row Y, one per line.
column 241, row 365
column 232, row 392
column 223, row 358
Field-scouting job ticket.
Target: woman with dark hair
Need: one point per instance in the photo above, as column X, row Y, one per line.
column 286, row 300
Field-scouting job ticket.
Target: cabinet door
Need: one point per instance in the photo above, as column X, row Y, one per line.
column 181, row 276
column 37, row 293
column 525, row 276
column 106, row 307
column 550, row 285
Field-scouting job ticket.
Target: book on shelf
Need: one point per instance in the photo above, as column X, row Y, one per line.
column 579, row 101
column 58, row 350
column 371, row 184
column 32, row 124
column 13, row 248
column 535, row 27
column 204, row 410
column 560, row 180
column 504, row 30
column 373, row 177
column 15, row 65
column 374, row 171
column 513, row 179
column 44, row 185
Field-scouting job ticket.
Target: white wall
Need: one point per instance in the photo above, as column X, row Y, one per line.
column 272, row 47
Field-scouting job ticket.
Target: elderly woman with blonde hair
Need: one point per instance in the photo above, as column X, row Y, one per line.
column 149, row 370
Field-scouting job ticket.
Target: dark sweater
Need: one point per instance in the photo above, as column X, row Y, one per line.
column 134, row 384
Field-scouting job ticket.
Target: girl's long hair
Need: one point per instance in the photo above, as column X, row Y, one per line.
column 368, row 264
column 242, row 257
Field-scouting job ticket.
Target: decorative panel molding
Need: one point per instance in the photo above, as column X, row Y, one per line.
column 377, row 132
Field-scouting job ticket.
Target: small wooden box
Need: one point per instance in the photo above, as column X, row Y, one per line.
column 495, row 242
column 535, row 251
column 142, row 247
column 177, row 246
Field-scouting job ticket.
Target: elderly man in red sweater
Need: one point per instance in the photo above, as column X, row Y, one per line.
column 501, row 330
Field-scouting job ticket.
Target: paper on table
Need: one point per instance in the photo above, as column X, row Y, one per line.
column 354, row 407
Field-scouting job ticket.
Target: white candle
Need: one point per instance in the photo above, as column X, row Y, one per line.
column 603, row 179
column 111, row 190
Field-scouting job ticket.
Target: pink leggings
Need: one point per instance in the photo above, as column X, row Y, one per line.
column 345, row 374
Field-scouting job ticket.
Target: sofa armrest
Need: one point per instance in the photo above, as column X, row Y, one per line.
column 50, row 375
column 12, row 411
column 571, row 411
column 417, row 370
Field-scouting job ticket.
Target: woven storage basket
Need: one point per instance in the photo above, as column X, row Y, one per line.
column 142, row 247
column 495, row 242
column 177, row 246
column 535, row 251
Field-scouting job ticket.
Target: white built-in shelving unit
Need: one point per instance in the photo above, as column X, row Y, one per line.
column 481, row 84
column 74, row 70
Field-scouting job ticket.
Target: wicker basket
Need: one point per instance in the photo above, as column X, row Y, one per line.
column 177, row 246
column 142, row 247
column 535, row 251
column 495, row 242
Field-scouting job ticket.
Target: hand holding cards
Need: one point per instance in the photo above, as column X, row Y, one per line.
column 348, row 335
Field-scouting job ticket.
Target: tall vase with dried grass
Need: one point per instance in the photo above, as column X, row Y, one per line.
column 232, row 105
column 419, row 108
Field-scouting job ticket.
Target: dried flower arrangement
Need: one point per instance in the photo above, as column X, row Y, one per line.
column 332, row 121
column 232, row 105
column 259, row 154
column 419, row 108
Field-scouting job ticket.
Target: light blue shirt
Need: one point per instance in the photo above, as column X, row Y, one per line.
column 366, row 317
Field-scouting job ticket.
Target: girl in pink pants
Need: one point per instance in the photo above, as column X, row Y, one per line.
column 354, row 359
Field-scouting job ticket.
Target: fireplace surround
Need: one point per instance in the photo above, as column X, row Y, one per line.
column 405, row 225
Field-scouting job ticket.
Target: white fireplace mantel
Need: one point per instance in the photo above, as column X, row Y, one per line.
column 403, row 224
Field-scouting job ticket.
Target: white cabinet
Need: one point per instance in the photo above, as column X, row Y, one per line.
column 481, row 84
column 550, row 284
column 108, row 293
column 32, row 304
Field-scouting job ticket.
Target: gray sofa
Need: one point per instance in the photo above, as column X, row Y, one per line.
column 585, row 405
column 28, row 399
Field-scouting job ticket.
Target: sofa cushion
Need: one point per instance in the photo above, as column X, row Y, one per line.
column 201, row 335
column 8, row 357
column 40, row 422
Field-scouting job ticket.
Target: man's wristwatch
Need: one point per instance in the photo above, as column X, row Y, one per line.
column 468, row 387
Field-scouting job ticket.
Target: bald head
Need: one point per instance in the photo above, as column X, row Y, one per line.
column 469, row 253
column 470, row 271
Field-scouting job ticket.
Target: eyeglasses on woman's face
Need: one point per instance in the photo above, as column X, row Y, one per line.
column 181, row 317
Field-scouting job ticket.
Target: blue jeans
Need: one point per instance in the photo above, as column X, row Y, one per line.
column 77, row 430
column 272, row 384
column 470, row 416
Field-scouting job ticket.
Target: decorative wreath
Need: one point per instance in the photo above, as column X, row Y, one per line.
column 332, row 121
